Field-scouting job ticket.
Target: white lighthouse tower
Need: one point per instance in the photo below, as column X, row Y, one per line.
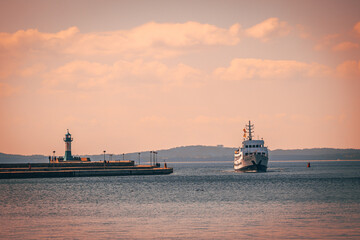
column 68, row 139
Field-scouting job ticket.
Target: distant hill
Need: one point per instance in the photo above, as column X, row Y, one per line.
column 178, row 154
column 315, row 154
column 220, row 153
column 204, row 153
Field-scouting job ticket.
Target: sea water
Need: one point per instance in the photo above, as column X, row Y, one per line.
column 198, row 201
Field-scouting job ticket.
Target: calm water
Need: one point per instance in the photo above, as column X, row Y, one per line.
column 198, row 201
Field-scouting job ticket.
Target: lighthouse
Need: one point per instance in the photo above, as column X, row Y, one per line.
column 68, row 139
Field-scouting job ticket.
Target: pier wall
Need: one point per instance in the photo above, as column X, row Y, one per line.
column 81, row 169
column 84, row 173
column 66, row 164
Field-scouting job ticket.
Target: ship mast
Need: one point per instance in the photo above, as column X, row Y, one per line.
column 250, row 130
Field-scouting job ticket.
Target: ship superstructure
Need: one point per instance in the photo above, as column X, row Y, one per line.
column 252, row 155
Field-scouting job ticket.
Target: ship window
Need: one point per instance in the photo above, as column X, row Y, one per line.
column 246, row 154
column 246, row 146
column 253, row 145
column 263, row 153
column 257, row 145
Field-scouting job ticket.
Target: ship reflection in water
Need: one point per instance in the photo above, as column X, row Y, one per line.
column 199, row 201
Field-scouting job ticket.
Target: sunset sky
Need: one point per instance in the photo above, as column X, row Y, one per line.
column 128, row 76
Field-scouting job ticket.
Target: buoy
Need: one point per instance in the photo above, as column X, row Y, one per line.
column 308, row 165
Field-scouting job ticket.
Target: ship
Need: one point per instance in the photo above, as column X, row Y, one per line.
column 253, row 155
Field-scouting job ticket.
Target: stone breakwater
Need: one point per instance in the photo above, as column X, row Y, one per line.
column 79, row 169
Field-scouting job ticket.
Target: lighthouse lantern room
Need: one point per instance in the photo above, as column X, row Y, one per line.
column 68, row 139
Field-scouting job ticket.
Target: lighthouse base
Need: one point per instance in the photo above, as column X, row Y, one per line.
column 68, row 156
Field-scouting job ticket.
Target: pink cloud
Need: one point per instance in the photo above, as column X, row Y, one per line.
column 269, row 28
column 339, row 42
column 77, row 75
column 357, row 28
column 302, row 31
column 202, row 119
column 241, row 69
column 17, row 48
column 152, row 40
column 154, row 120
column 32, row 70
column 7, row 90
column 345, row 46
column 158, row 40
column 85, row 75
column 326, row 42
column 25, row 39
column 183, row 34
column 349, row 70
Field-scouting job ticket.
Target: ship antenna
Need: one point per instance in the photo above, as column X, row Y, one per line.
column 250, row 130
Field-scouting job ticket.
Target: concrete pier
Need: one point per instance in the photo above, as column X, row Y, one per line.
column 78, row 169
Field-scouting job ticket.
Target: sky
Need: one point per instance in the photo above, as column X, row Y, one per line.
column 127, row 76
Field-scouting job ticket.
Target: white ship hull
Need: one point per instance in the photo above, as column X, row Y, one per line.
column 253, row 163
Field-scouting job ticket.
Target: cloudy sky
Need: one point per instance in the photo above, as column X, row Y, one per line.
column 128, row 76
